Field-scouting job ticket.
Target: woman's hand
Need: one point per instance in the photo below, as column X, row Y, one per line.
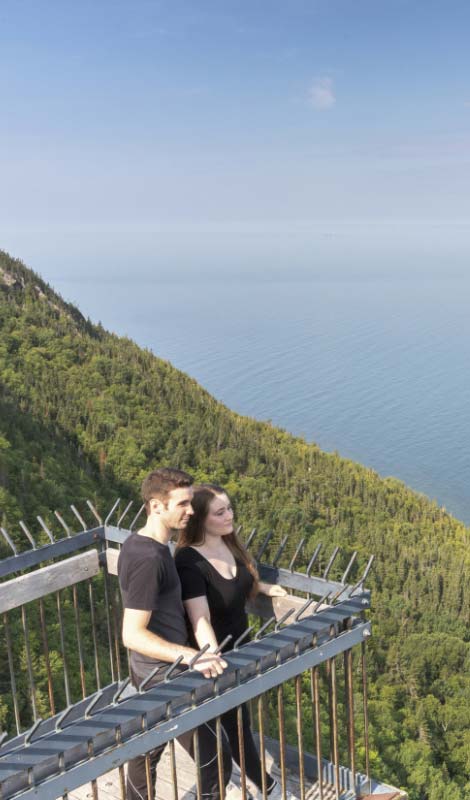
column 272, row 589
column 277, row 591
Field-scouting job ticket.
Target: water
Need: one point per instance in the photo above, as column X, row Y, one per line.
column 377, row 370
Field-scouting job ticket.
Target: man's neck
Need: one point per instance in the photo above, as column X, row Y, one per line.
column 155, row 530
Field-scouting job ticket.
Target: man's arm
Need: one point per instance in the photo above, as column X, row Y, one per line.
column 136, row 636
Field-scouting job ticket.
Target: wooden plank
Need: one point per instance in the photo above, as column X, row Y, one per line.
column 112, row 555
column 109, row 786
column 49, row 579
column 387, row 796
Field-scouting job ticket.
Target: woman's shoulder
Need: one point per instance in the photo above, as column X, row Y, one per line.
column 187, row 555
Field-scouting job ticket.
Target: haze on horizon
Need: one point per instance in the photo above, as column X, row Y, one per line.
column 222, row 138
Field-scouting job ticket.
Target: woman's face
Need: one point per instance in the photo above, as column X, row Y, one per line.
column 219, row 520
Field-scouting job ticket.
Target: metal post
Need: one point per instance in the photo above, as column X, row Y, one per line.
column 349, row 698
column 334, row 719
column 262, row 750
column 63, row 649
column 29, row 664
column 365, row 709
column 12, row 672
column 241, row 751
column 108, row 624
column 122, row 781
column 197, row 761
column 300, row 743
column 79, row 640
column 47, row 660
column 93, row 633
column 220, row 757
column 282, row 739
column 115, row 627
column 317, row 727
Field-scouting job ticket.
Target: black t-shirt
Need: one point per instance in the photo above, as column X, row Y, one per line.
column 149, row 582
column 226, row 597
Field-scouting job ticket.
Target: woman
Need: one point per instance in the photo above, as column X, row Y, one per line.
column 217, row 578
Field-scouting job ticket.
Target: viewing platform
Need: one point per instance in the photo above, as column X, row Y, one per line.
column 71, row 721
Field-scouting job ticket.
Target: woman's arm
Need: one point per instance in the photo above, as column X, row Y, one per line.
column 200, row 619
column 271, row 589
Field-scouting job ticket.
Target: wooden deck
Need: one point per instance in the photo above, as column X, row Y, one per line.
column 109, row 784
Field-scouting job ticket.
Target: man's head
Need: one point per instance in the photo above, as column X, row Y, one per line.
column 167, row 494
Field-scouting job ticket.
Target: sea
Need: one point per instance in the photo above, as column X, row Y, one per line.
column 375, row 368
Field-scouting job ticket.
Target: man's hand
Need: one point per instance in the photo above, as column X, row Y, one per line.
column 210, row 665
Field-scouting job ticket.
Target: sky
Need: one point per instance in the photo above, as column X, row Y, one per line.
column 192, row 135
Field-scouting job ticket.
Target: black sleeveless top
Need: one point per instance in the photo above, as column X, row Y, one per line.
column 226, row 597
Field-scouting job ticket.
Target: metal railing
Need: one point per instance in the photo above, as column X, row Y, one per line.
column 68, row 716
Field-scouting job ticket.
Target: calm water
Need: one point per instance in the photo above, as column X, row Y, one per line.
column 377, row 370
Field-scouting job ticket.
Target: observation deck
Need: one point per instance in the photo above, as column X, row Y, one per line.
column 71, row 721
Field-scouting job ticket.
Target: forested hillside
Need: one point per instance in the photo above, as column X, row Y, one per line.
column 84, row 414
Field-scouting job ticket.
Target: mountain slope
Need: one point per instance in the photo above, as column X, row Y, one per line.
column 105, row 411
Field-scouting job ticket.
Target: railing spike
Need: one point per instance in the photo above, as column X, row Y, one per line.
column 321, row 602
column 131, row 527
column 94, row 512
column 263, row 547
column 198, row 655
column 63, row 523
column 264, row 627
column 330, row 562
column 46, row 529
column 172, row 668
column 60, row 721
column 280, row 550
column 334, row 598
column 95, row 699
column 283, row 618
column 148, row 678
column 368, row 568
column 313, row 558
column 124, row 513
column 304, row 608
column 364, row 575
column 29, row 734
column 9, row 541
column 243, row 636
column 120, row 690
column 80, row 519
column 112, row 511
column 349, row 567
column 27, row 534
column 223, row 643
column 250, row 538
column 298, row 550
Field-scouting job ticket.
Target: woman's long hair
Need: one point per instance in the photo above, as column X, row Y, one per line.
column 194, row 533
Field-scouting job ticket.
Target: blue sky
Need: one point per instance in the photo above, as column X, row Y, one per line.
column 221, row 133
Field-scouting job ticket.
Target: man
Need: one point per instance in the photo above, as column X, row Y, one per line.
column 154, row 625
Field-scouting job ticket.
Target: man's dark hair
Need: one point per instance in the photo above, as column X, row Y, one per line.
column 159, row 483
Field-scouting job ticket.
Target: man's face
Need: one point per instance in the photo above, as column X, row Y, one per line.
column 176, row 510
